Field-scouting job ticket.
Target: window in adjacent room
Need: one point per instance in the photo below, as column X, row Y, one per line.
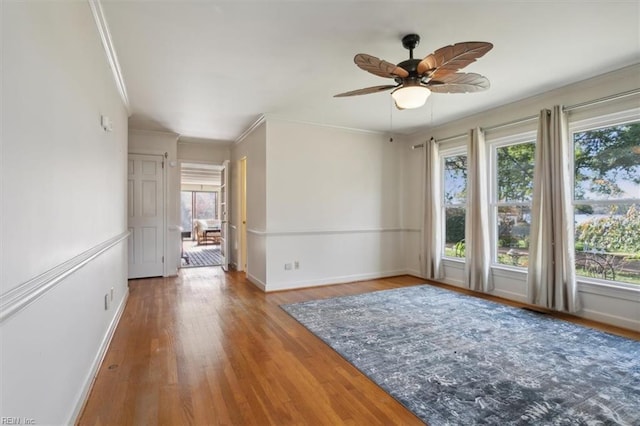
column 607, row 200
column 196, row 205
column 512, row 192
column 454, row 180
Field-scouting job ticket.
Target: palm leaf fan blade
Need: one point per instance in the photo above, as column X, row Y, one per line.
column 459, row 83
column 379, row 67
column 366, row 90
column 449, row 59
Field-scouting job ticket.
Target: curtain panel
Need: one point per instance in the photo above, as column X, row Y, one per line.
column 551, row 279
column 477, row 243
column 432, row 231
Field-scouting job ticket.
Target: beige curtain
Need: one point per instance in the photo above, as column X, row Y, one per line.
column 477, row 248
column 432, row 231
column 551, row 279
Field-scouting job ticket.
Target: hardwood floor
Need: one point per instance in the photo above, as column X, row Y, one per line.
column 210, row 348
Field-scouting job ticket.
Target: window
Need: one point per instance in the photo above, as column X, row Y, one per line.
column 607, row 201
column 512, row 195
column 186, row 211
column 205, row 205
column 454, row 202
column 197, row 205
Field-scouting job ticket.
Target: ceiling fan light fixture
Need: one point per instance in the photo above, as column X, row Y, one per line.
column 409, row 97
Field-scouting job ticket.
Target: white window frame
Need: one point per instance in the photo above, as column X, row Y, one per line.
column 492, row 146
column 585, row 125
column 444, row 153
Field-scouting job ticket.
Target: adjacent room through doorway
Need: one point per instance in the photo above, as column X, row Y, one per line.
column 200, row 214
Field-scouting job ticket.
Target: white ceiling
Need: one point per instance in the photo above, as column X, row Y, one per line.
column 209, row 69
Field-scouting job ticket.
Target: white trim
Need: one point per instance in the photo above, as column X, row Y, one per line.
column 98, row 360
column 612, row 289
column 606, row 120
column 110, row 51
column 344, row 279
column 250, row 129
column 14, row 300
column 285, row 233
column 255, row 281
column 605, row 318
column 415, row 273
column 161, row 132
column 328, row 126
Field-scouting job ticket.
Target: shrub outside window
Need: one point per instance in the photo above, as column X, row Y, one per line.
column 454, row 203
column 513, row 191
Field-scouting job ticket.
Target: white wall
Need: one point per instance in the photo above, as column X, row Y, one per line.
column 159, row 143
column 333, row 205
column 63, row 197
column 203, row 150
column 253, row 147
column 617, row 306
column 411, row 204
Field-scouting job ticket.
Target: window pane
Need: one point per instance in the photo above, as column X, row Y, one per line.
column 455, row 179
column 185, row 211
column 454, row 231
column 205, row 205
column 607, row 241
column 607, row 163
column 515, row 172
column 514, row 224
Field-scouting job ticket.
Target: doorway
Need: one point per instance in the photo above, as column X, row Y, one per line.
column 200, row 214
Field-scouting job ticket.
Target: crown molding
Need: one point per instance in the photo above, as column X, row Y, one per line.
column 110, row 51
column 250, row 129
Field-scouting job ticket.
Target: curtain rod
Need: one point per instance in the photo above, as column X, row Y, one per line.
column 602, row 100
column 486, row 129
column 448, row 138
column 535, row 117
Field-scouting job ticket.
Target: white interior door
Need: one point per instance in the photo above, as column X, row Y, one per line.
column 224, row 217
column 146, row 215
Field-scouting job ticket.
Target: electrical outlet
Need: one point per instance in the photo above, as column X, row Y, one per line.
column 287, row 266
column 106, row 302
column 296, row 265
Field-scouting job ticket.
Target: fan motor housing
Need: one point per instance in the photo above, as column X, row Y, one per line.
column 411, row 66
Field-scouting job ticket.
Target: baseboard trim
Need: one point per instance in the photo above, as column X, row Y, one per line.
column 97, row 362
column 334, row 280
column 255, row 281
column 609, row 319
column 22, row 296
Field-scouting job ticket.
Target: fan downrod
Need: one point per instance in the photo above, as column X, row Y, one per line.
column 411, row 41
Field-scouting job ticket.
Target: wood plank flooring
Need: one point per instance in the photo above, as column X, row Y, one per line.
column 209, row 348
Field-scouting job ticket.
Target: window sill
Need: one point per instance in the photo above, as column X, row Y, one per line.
column 618, row 290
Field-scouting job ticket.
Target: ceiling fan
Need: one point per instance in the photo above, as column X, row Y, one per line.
column 417, row 78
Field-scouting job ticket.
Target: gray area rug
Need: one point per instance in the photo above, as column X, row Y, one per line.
column 458, row 360
column 199, row 256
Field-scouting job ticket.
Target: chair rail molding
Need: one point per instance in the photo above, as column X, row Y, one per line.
column 284, row 233
column 28, row 292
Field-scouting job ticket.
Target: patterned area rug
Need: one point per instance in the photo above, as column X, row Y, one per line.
column 458, row 360
column 202, row 256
